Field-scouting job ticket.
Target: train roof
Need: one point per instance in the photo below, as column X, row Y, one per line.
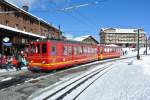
column 72, row 42
column 61, row 40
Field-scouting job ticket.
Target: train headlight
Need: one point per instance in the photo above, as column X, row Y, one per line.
column 43, row 62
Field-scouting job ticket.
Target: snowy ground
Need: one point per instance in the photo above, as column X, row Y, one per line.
column 133, row 51
column 11, row 71
column 127, row 80
column 123, row 82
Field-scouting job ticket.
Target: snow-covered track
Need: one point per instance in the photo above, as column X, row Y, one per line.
column 62, row 92
column 18, row 79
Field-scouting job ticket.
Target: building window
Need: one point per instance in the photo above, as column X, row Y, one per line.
column 31, row 21
column 24, row 28
column 16, row 26
column 7, row 22
column 31, row 30
column 17, row 15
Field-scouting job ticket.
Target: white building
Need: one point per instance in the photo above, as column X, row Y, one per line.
column 122, row 37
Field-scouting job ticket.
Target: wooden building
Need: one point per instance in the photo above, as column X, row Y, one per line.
column 18, row 27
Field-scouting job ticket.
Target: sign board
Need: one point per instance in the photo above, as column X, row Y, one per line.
column 7, row 44
column 6, row 39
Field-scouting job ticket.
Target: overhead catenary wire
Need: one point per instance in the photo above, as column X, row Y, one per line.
column 82, row 5
column 80, row 18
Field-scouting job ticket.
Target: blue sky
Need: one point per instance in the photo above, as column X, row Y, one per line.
column 90, row 19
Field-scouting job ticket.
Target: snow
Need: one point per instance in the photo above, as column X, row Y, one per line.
column 119, row 30
column 112, row 45
column 124, row 82
column 6, row 79
column 81, row 38
column 51, row 89
column 127, row 80
column 4, row 71
column 133, row 51
column 23, row 32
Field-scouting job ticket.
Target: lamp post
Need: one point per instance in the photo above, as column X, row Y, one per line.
column 146, row 45
column 138, row 55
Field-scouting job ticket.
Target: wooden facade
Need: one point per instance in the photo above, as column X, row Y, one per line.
column 23, row 27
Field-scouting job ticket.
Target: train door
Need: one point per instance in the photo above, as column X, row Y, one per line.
column 44, row 52
column 67, row 54
column 101, row 52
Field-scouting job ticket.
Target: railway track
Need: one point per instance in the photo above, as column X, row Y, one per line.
column 20, row 79
column 61, row 92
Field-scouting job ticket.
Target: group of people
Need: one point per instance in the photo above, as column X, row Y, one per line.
column 10, row 62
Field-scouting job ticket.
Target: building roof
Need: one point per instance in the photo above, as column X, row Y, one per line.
column 25, row 12
column 81, row 38
column 121, row 30
column 19, row 31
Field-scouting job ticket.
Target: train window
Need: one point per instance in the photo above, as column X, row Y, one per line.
column 44, row 49
column 84, row 50
column 32, row 48
column 101, row 50
column 65, row 50
column 53, row 50
column 75, row 51
column 110, row 49
column 105, row 50
column 113, row 49
column 88, row 49
column 70, row 50
column 96, row 51
column 37, row 48
column 80, row 50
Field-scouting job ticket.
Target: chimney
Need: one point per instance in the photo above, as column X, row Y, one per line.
column 25, row 7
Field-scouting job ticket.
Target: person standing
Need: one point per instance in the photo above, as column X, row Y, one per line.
column 9, row 62
column 4, row 62
column 19, row 62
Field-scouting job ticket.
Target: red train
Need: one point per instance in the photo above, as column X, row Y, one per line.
column 57, row 54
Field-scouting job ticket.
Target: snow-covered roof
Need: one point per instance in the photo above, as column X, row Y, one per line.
column 19, row 31
column 112, row 45
column 119, row 30
column 37, row 18
column 81, row 38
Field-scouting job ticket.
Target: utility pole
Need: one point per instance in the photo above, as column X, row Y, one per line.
column 146, row 45
column 59, row 32
column 138, row 55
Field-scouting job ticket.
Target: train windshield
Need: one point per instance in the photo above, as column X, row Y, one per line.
column 32, row 48
column 44, row 50
column 37, row 49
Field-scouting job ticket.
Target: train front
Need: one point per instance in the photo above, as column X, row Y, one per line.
column 39, row 58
